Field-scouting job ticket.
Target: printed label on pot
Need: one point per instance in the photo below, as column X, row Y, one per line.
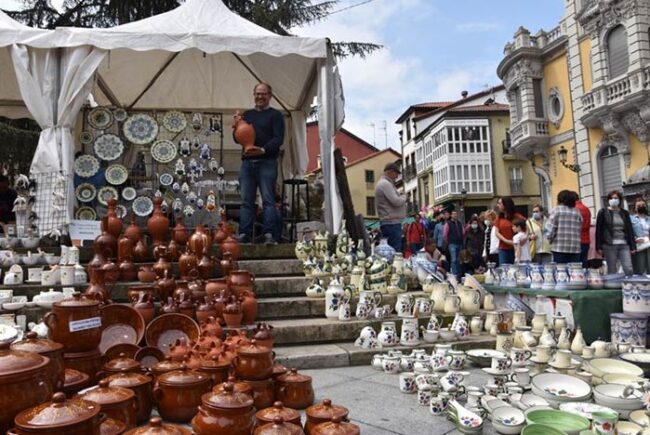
column 82, row 325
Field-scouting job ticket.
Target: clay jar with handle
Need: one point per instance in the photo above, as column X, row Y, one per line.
column 322, row 413
column 267, row 415
column 140, row 252
column 25, row 380
column 231, row 245
column 219, row 233
column 46, row 348
column 105, row 243
column 166, row 286
column 336, row 427
column 116, row 402
column 199, row 241
column 279, row 427
column 133, row 231
column 205, row 310
column 187, row 265
column 240, row 280
column 143, row 304
column 253, row 362
column 156, row 427
column 158, row 224
column 178, row 394
column 295, row 390
column 75, row 323
column 162, row 264
column 224, row 412
column 215, row 286
column 206, row 266
column 113, row 223
column 179, row 233
column 141, row 385
column 263, row 392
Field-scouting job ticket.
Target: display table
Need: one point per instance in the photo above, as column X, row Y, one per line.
column 590, row 308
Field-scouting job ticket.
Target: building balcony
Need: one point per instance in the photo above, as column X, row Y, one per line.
column 409, row 173
column 528, row 135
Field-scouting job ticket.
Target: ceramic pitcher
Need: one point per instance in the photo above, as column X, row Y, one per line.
column 452, row 304
column 488, row 302
column 561, row 277
column 388, row 334
column 559, row 323
column 539, row 321
column 578, row 342
column 536, row 276
column 577, row 275
column 439, row 295
column 434, row 322
column 405, row 305
column 549, row 277
column 409, row 335
column 334, row 295
column 370, row 298
column 423, row 306
column 470, row 300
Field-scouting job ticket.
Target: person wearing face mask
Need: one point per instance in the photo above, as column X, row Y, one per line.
column 615, row 235
column 490, row 240
column 474, row 237
column 540, row 248
column 641, row 226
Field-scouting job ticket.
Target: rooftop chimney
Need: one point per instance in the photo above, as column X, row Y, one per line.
column 464, row 94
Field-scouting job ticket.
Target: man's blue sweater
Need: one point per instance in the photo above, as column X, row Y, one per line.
column 269, row 131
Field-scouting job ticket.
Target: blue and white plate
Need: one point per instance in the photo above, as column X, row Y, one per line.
column 163, row 151
column 85, row 214
column 86, row 137
column 116, row 174
column 86, row 165
column 140, row 129
column 100, row 118
column 108, row 147
column 142, row 206
column 166, row 179
column 120, row 114
column 174, row 121
column 129, row 193
column 106, row 193
column 85, row 192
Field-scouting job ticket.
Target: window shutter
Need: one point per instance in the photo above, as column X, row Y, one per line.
column 539, row 103
column 610, row 171
column 518, row 106
column 617, row 53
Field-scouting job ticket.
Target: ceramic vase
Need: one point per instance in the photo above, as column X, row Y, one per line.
column 113, row 223
column 158, row 224
column 628, row 328
column 384, row 250
column 133, row 231
column 388, row 335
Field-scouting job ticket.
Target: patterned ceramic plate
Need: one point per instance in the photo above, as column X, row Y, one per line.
column 100, row 118
column 163, row 151
column 166, row 179
column 120, row 114
column 106, row 193
column 129, row 193
column 116, row 174
column 86, row 137
column 121, row 211
column 108, row 147
column 140, row 129
column 142, row 206
column 174, row 121
column 86, row 165
column 86, row 214
column 85, row 192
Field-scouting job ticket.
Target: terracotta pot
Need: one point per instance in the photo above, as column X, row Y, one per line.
column 322, row 413
column 279, row 427
column 128, row 271
column 219, row 234
column 227, row 264
column 25, row 380
column 170, row 307
column 249, row 308
column 158, row 224
column 133, row 292
column 60, row 416
column 166, row 286
column 193, row 360
column 206, row 266
column 205, row 310
column 225, row 412
column 46, row 348
column 187, row 265
column 211, row 327
column 239, row 387
column 164, row 366
column 217, row 368
column 97, row 289
column 240, row 281
column 336, row 427
column 116, row 402
column 140, row 252
column 179, row 233
column 146, row 274
column 133, row 231
column 267, row 415
column 140, row 385
column 178, row 394
column 278, row 370
column 162, row 265
column 113, row 223
column 110, row 426
column 156, row 427
column 231, row 245
column 111, row 271
column 96, row 262
column 75, row 381
column 179, row 350
column 263, row 392
column 263, row 333
column 295, row 390
column 125, row 248
column 238, row 337
column 173, row 251
column 215, row 286
column 121, row 364
column 244, row 134
column 89, row 362
column 75, row 309
column 197, row 287
column 233, row 320
column 200, row 240
column 186, row 306
column 143, row 304
column 105, row 243
column 253, row 362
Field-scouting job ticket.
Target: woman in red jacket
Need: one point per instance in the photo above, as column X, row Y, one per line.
column 416, row 235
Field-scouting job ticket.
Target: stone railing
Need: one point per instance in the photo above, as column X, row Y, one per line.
column 527, row 133
column 554, row 34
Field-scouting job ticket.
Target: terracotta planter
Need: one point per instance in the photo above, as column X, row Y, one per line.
column 146, row 274
column 158, row 224
column 156, row 427
column 25, row 380
column 73, row 337
column 279, row 427
column 60, row 416
column 113, row 223
column 253, row 362
column 141, row 386
column 133, row 231
column 226, row 412
column 322, row 413
column 267, row 415
column 295, row 390
column 97, row 289
column 89, row 362
column 46, row 348
column 178, row 394
column 179, row 233
column 140, row 252
column 116, row 402
column 263, row 392
column 249, row 308
column 75, row 381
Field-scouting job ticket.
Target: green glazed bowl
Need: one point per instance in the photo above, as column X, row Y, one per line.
column 571, row 424
column 541, row 429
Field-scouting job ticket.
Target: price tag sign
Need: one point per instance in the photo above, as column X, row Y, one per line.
column 84, row 230
column 82, row 325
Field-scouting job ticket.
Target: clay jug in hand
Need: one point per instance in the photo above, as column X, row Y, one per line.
column 245, row 136
column 158, row 224
column 113, row 223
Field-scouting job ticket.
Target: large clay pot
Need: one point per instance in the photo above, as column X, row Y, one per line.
column 156, row 427
column 322, row 413
column 245, row 136
column 75, row 381
column 105, row 243
column 166, row 286
column 46, row 348
column 121, row 364
column 60, row 416
column 220, row 234
column 179, row 233
column 215, row 286
column 187, row 265
column 217, row 368
column 225, row 412
column 164, row 366
column 143, row 304
column 206, row 266
column 267, row 415
column 205, row 310
column 112, row 271
column 116, row 402
column 279, row 427
column 231, row 245
column 158, row 224
column 25, row 380
column 232, row 314
column 113, row 223
column 162, row 265
column 199, row 241
column 178, row 394
column 249, row 307
column 75, row 323
column 89, row 362
column 263, row 392
column 133, row 231
column 241, row 280
column 295, row 390
column 253, row 362
column 141, row 385
column 227, row 264
column 146, row 274
column 140, row 252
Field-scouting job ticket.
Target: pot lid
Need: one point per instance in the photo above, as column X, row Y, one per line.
column 215, row 361
column 166, row 365
column 73, row 377
column 112, row 427
column 253, row 348
column 294, row 377
column 15, row 362
column 326, row 411
column 240, row 387
column 277, row 410
column 279, row 427
column 122, row 363
column 104, row 394
column 227, row 399
column 37, row 345
column 156, row 427
column 336, row 427
column 183, row 376
column 127, row 380
column 58, row 413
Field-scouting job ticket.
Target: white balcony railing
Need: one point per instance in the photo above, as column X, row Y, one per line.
column 529, row 133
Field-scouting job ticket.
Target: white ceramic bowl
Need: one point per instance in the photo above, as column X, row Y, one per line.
column 628, row 428
column 602, row 366
column 30, row 261
column 447, row 334
column 641, row 360
column 52, row 259
column 30, row 242
column 430, row 335
column 556, row 387
column 529, row 400
column 508, row 420
column 13, row 306
column 639, row 417
column 611, row 395
column 619, row 378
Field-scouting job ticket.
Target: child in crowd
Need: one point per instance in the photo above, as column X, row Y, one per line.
column 520, row 241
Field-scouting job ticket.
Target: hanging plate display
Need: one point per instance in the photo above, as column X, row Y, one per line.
column 86, row 165
column 142, row 206
column 163, row 151
column 166, row 179
column 85, row 214
column 174, row 121
column 116, row 174
column 86, row 137
column 120, row 114
column 106, row 193
column 140, row 129
column 121, row 211
column 108, row 147
column 100, row 118
column 85, row 192
column 129, row 193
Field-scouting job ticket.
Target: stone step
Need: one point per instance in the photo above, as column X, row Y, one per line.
column 329, row 355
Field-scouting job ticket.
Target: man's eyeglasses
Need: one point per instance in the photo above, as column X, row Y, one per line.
column 261, row 94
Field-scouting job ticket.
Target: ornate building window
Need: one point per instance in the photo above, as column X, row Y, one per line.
column 537, row 95
column 518, row 104
column 610, row 171
column 618, row 58
column 555, row 107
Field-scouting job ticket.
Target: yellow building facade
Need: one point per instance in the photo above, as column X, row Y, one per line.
column 580, row 99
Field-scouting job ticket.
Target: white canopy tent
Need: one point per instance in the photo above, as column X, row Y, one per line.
column 198, row 56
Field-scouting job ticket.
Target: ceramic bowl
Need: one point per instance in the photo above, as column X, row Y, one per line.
column 16, row 303
column 30, row 242
column 612, row 395
column 601, row 366
column 9, row 242
column 483, row 357
column 619, row 378
column 52, row 259
column 541, row 429
column 640, row 417
column 430, row 335
column 641, row 360
column 560, row 388
column 508, row 420
column 164, row 330
column 529, row 400
column 447, row 334
column 30, row 260
column 564, row 421
column 628, row 428
column 120, row 324
column 584, row 409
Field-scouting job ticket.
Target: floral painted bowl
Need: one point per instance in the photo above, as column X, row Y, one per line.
column 569, row 423
column 508, row 420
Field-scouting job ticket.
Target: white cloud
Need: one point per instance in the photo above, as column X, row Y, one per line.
column 477, row 27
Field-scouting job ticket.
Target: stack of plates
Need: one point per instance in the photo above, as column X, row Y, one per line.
column 559, row 388
column 600, row 367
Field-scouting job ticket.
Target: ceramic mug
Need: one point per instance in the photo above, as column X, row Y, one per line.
column 439, row 362
column 604, row 422
column 457, row 361
column 623, row 347
column 474, row 398
column 407, row 383
column 406, row 363
column 34, row 274
column 438, row 403
column 635, row 348
column 521, row 376
column 424, row 397
column 390, row 364
column 500, row 380
column 588, row 352
column 491, row 389
column 345, row 312
column 363, row 311
column 442, row 349
column 426, row 381
column 520, row 356
column 501, row 364
column 377, row 360
column 513, row 388
column 543, row 353
column 563, row 358
column 451, row 382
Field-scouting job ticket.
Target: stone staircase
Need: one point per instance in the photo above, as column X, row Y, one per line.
column 304, row 338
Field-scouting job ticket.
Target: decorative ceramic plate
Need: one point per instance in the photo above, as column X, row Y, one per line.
column 140, row 129
column 116, row 174
column 166, row 179
column 163, row 151
column 142, row 206
column 174, row 121
column 121, row 211
column 86, row 137
column 583, row 409
column 129, row 193
column 120, row 324
column 148, row 356
column 85, row 192
column 86, row 165
column 163, row 331
column 100, row 118
column 106, row 193
column 120, row 114
column 108, row 147
column 560, row 386
column 129, row 350
column 85, row 214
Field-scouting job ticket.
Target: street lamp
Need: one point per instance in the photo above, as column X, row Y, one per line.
column 563, row 153
column 463, row 195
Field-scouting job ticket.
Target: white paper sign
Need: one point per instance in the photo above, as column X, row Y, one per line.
column 85, row 230
column 82, row 325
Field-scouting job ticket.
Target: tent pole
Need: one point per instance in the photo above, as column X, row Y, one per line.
column 154, row 79
column 260, row 80
column 106, row 90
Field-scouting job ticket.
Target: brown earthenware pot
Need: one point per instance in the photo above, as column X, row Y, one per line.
column 113, row 223
column 295, row 390
column 112, row 271
column 140, row 252
column 170, row 307
column 206, row 266
column 263, row 333
column 240, row 280
column 200, row 240
column 336, row 427
column 49, row 349
column 128, row 271
column 219, row 234
column 60, row 416
column 158, row 224
column 227, row 264
column 156, row 427
column 133, row 292
column 211, row 327
column 239, row 386
column 116, row 402
column 187, row 265
column 144, row 305
column 279, row 427
column 217, row 368
column 162, row 265
column 121, row 364
column 178, row 394
column 322, row 413
column 146, row 274
column 166, row 286
column 232, row 314
column 75, row 381
column 263, row 392
column 164, row 366
column 89, row 362
column 205, row 310
column 97, row 288
column 267, row 415
column 75, row 323
column 278, row 370
column 253, row 362
column 141, row 385
column 110, row 426
column 173, row 251
column 105, row 243
column 215, row 286
column 179, row 233
column 224, row 412
column 230, row 244
column 133, row 231
column 249, row 307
